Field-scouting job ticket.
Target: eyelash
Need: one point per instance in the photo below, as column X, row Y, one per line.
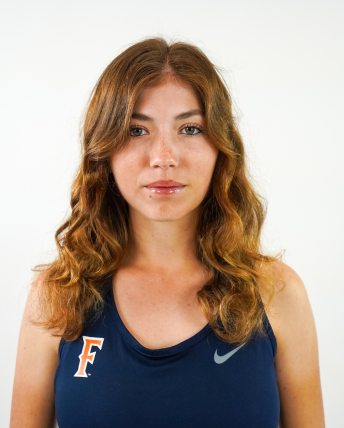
column 189, row 125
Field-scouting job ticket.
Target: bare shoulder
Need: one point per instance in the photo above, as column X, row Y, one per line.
column 290, row 313
column 291, row 297
column 34, row 312
column 297, row 361
column 36, row 363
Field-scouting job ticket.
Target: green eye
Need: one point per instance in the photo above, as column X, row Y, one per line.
column 137, row 132
column 190, row 130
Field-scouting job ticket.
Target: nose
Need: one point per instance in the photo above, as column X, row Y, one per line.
column 163, row 152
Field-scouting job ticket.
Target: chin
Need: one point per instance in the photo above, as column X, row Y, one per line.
column 163, row 213
column 164, row 216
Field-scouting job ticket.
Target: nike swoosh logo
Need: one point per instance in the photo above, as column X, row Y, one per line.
column 221, row 359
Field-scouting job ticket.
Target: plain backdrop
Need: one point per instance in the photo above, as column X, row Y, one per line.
column 283, row 62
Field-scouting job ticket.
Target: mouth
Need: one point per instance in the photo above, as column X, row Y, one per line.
column 165, row 190
column 165, row 187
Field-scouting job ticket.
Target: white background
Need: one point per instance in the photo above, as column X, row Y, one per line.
column 283, row 61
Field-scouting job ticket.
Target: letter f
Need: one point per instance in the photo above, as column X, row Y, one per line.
column 86, row 356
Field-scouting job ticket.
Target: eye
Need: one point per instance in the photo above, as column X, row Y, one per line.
column 136, row 131
column 190, row 130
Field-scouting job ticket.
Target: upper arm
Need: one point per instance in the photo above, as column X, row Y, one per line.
column 36, row 363
column 297, row 361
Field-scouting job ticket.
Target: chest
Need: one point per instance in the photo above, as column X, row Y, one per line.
column 141, row 302
column 185, row 385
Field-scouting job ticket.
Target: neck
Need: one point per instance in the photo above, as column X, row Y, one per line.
column 163, row 247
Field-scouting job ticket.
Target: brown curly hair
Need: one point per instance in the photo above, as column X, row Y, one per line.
column 93, row 240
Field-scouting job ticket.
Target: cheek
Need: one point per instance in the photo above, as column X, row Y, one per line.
column 126, row 168
column 203, row 164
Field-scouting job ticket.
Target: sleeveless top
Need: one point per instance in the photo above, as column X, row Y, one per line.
column 106, row 378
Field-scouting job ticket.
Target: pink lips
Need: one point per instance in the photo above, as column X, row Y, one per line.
column 165, row 187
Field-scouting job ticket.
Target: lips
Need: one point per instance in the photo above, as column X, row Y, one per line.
column 165, row 187
column 165, row 183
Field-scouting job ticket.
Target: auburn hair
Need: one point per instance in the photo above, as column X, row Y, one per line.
column 92, row 241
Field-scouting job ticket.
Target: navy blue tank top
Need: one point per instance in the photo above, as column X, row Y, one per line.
column 106, row 378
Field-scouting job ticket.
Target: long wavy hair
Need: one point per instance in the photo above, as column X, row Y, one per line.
column 92, row 241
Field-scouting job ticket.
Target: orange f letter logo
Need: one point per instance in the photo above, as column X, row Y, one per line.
column 86, row 356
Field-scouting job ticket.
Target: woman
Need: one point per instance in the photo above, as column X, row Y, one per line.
column 169, row 313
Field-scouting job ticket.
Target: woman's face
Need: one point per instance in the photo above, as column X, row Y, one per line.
column 166, row 142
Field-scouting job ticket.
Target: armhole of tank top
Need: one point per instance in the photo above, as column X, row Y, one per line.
column 270, row 333
column 61, row 344
column 267, row 327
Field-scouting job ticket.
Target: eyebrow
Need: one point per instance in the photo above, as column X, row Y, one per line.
column 180, row 116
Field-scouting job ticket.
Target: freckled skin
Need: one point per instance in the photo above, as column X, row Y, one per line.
column 163, row 152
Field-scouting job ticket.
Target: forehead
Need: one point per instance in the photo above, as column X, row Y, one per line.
column 172, row 96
